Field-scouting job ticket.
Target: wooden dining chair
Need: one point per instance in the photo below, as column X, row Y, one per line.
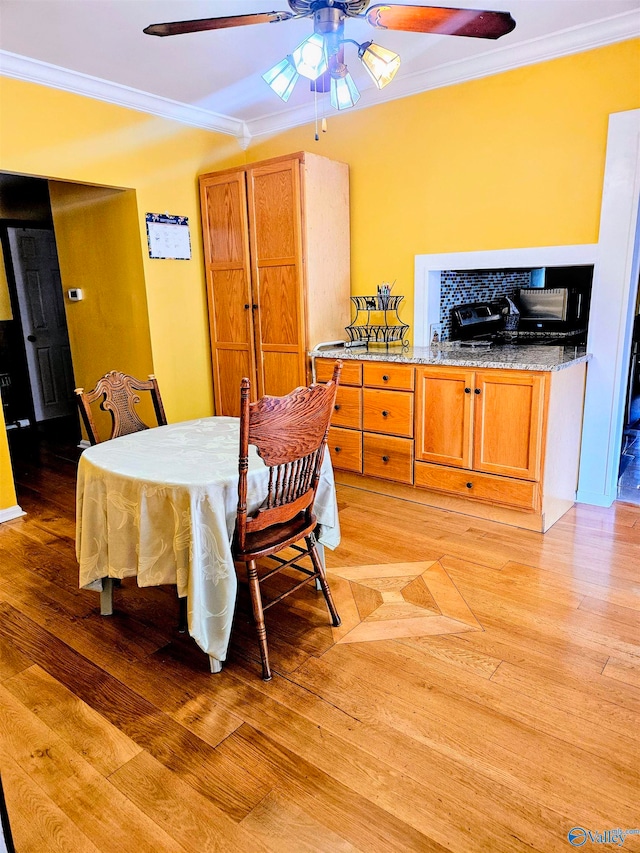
column 290, row 434
column 119, row 395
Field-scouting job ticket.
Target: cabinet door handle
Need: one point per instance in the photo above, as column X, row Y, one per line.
column 385, row 414
column 337, row 449
column 254, row 307
column 337, row 407
column 469, row 485
column 246, row 306
column 385, row 458
column 385, row 378
column 477, row 391
column 31, row 338
column 467, row 390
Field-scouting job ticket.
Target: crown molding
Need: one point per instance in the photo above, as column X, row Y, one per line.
column 574, row 40
column 33, row 71
column 564, row 43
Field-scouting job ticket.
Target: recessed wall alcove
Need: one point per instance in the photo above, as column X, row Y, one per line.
column 428, row 270
column 615, row 281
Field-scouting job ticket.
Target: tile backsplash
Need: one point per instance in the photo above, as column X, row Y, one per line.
column 458, row 286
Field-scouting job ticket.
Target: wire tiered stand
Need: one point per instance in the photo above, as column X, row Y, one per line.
column 377, row 321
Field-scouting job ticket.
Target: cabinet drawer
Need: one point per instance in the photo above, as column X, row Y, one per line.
column 351, row 371
column 390, row 412
column 399, row 377
column 345, row 447
column 481, row 487
column 388, row 457
column 347, row 411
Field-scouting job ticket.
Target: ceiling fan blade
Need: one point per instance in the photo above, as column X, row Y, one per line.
column 179, row 27
column 441, row 21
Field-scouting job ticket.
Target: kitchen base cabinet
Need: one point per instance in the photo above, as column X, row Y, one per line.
column 498, row 444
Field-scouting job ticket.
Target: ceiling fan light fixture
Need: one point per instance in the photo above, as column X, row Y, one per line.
column 282, row 78
column 344, row 92
column 381, row 63
column 310, row 58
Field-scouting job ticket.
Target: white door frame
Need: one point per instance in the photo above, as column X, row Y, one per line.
column 615, row 258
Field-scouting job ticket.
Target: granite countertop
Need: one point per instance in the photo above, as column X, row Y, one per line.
column 505, row 356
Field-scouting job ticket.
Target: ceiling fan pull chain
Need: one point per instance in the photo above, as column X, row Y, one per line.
column 323, row 124
column 315, row 106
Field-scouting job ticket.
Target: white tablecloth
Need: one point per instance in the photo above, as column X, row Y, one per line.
column 161, row 504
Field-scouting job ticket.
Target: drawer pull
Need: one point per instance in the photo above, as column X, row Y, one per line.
column 477, row 391
column 467, row 390
column 385, row 414
column 385, row 458
column 385, row 378
column 469, row 485
column 337, row 407
column 337, row 449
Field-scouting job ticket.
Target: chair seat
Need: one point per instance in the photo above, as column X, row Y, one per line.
column 262, row 543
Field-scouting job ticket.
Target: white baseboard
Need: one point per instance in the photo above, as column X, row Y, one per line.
column 10, row 513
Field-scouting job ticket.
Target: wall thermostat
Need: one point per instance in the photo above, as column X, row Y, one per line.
column 75, row 294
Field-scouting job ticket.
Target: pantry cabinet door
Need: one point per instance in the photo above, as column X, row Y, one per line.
column 444, row 413
column 228, row 271
column 274, row 196
column 509, row 423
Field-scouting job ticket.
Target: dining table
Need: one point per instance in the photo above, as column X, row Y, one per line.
column 160, row 505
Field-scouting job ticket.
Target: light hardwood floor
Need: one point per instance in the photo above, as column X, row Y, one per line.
column 482, row 693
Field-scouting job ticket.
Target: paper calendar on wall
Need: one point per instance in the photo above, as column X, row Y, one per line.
column 168, row 236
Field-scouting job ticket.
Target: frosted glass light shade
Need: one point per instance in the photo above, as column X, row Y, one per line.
column 310, row 57
column 382, row 64
column 344, row 92
column 282, row 78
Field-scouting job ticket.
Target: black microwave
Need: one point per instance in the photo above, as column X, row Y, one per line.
column 561, row 309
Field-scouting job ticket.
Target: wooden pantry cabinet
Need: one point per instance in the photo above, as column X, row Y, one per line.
column 495, row 443
column 277, row 254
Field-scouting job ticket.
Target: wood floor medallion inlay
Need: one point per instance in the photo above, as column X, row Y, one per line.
column 396, row 601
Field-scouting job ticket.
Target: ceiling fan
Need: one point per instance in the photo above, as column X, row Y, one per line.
column 320, row 57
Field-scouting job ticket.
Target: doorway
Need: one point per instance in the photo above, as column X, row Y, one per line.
column 629, row 473
column 36, row 372
column 100, row 252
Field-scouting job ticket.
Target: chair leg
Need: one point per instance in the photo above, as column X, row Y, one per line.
column 317, row 565
column 320, row 553
column 258, row 618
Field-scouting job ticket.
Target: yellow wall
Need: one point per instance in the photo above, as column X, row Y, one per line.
column 512, row 160
column 506, row 161
column 7, row 489
column 509, row 161
column 92, row 142
column 99, row 251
